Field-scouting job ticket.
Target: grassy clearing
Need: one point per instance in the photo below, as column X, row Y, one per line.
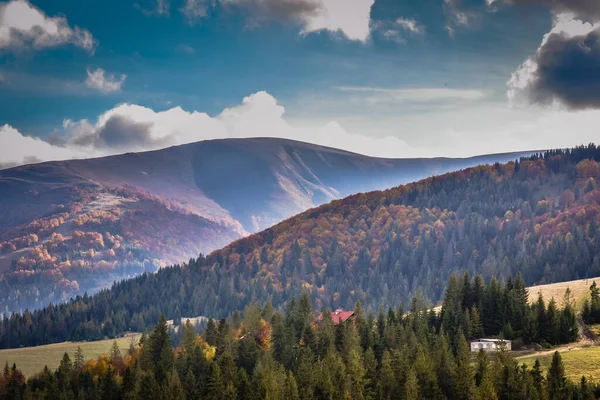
column 580, row 291
column 31, row 360
column 579, row 361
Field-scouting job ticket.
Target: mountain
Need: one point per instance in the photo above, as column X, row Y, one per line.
column 538, row 217
column 74, row 226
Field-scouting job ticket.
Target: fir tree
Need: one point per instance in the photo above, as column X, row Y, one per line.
column 557, row 380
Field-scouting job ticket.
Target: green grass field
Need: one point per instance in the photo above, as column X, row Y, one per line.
column 31, row 360
column 578, row 362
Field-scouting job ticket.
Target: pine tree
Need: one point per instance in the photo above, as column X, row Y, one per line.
column 174, row 389
column 215, row 386
column 411, row 387
column 557, row 380
column 568, row 329
column 79, row 359
column 476, row 324
column 210, row 334
column 189, row 385
column 291, row 388
column 386, row 383
column 109, row 388
column 584, row 391
column 464, row 373
column 148, row 388
column 115, row 355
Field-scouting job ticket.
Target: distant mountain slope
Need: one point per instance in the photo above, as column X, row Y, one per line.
column 74, row 226
column 539, row 217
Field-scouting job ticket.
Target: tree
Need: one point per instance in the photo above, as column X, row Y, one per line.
column 115, row 357
column 568, row 329
column 464, row 373
column 557, row 380
column 79, row 359
column 411, row 387
column 148, row 388
column 109, row 388
column 190, row 387
column 157, row 352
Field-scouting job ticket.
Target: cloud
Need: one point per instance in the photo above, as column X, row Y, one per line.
column 411, row 26
column 18, row 149
column 23, row 25
column 351, row 18
column 584, row 9
column 129, row 127
column 565, row 69
column 397, row 30
column 194, row 10
column 184, row 48
column 475, row 128
column 106, row 83
column 462, row 14
column 163, row 7
column 159, row 8
column 418, row 95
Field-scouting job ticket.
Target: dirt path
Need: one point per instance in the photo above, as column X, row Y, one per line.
column 562, row 349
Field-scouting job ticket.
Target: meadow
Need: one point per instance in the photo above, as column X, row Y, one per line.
column 31, row 360
column 578, row 361
column 580, row 290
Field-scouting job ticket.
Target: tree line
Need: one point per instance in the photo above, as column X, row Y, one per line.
column 265, row 354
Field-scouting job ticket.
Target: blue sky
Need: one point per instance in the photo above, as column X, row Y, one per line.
column 395, row 78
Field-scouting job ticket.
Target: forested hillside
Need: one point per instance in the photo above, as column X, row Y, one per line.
column 76, row 226
column 539, row 216
column 293, row 356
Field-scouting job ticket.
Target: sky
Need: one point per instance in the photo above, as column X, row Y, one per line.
column 385, row 78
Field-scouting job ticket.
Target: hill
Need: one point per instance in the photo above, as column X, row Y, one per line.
column 538, row 217
column 31, row 360
column 75, row 226
column 580, row 291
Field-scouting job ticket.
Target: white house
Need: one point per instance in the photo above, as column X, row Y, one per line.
column 490, row 345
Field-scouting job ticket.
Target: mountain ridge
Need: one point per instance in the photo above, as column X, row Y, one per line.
column 538, row 217
column 138, row 212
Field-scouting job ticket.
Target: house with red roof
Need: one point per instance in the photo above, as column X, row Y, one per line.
column 338, row 316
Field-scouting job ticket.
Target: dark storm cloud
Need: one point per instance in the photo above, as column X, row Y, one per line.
column 585, row 9
column 568, row 69
column 120, row 133
column 123, row 132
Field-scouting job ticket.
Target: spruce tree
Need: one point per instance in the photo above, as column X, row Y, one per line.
column 79, row 359
column 557, row 380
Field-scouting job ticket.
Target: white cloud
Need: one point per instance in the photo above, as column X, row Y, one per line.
column 23, row 25
column 184, row 48
column 398, row 30
column 163, row 7
column 350, row 17
column 129, row 127
column 419, row 95
column 106, row 83
column 194, row 10
column 464, row 131
column 18, row 149
column 411, row 25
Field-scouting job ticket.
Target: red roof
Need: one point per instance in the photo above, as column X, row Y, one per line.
column 338, row 316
